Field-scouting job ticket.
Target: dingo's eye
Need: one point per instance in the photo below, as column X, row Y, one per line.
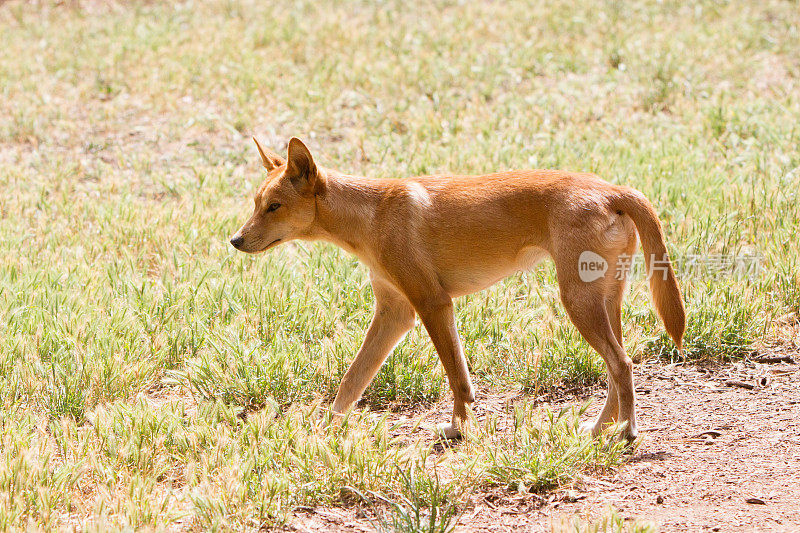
column 273, row 207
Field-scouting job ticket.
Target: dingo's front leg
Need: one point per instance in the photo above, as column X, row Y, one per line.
column 394, row 316
column 439, row 320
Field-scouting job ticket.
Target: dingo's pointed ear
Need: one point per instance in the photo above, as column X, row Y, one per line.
column 300, row 166
column 269, row 159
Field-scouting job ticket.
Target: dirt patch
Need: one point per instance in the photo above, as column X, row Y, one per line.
column 719, row 451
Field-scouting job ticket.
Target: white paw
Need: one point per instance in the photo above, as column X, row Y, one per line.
column 625, row 432
column 588, row 428
column 628, row 435
column 448, row 431
column 332, row 419
column 594, row 429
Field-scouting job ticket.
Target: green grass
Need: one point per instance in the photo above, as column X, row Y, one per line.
column 133, row 339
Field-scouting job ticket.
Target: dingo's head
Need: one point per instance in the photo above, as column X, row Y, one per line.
column 285, row 207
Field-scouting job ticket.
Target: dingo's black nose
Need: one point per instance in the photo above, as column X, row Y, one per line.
column 237, row 241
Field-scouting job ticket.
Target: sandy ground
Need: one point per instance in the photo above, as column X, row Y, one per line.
column 714, row 456
column 719, row 451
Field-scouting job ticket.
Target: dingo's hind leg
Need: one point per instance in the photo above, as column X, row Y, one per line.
column 610, row 412
column 615, row 293
column 594, row 308
column 590, row 316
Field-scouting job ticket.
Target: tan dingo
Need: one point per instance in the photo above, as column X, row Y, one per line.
column 429, row 239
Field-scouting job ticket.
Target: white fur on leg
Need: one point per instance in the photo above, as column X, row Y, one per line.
column 629, row 432
column 448, row 431
column 596, row 428
column 589, row 428
column 332, row 418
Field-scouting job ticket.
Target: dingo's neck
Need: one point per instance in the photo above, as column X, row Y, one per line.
column 346, row 212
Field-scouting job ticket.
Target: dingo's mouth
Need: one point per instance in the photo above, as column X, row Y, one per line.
column 270, row 245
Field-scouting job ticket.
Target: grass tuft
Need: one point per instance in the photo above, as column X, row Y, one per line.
column 544, row 450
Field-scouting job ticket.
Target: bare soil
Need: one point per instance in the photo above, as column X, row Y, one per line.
column 719, row 451
column 714, row 455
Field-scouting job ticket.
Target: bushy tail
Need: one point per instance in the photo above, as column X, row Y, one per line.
column 663, row 284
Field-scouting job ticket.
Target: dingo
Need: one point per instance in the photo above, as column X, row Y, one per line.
column 429, row 239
